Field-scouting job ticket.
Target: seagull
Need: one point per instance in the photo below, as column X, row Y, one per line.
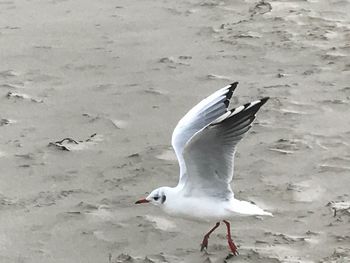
column 205, row 141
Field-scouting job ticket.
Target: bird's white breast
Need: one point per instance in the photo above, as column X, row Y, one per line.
column 198, row 208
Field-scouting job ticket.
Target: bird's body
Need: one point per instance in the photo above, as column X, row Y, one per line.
column 195, row 208
column 205, row 142
column 204, row 208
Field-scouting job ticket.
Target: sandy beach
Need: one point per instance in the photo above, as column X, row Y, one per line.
column 90, row 92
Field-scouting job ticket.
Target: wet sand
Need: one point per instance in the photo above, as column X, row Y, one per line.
column 114, row 77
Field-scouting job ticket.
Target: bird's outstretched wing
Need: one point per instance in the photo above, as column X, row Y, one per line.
column 209, row 154
column 197, row 118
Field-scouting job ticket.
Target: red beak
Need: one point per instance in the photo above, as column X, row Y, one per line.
column 141, row 201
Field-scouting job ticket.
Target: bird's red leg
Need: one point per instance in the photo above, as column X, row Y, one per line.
column 229, row 239
column 206, row 237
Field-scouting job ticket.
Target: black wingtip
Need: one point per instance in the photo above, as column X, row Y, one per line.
column 234, row 84
column 260, row 103
column 263, row 100
column 229, row 94
column 232, row 88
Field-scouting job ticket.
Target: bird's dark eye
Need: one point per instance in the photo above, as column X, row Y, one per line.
column 156, row 198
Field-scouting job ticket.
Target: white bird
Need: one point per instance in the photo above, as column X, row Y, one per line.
column 205, row 141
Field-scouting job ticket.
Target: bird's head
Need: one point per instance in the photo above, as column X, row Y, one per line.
column 157, row 197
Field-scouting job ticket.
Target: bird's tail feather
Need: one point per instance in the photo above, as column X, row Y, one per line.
column 247, row 208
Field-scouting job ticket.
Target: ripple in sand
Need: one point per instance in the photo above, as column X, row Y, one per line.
column 17, row 95
column 296, row 112
column 11, row 86
column 260, row 8
column 302, row 108
column 167, row 155
column 281, row 151
column 153, row 91
column 22, row 96
column 49, row 198
column 335, row 54
column 87, row 207
column 102, row 213
column 4, row 122
column 161, row 223
column 286, row 146
column 334, row 101
column 306, row 191
column 340, row 255
column 334, row 168
column 211, row 3
column 101, row 235
column 327, row 142
column 340, row 207
column 172, row 61
column 8, row 73
column 280, row 238
column 282, row 253
column 248, row 34
column 69, row 144
column 6, row 202
column 335, row 164
column 214, row 76
column 158, row 258
column 278, row 86
column 119, row 124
